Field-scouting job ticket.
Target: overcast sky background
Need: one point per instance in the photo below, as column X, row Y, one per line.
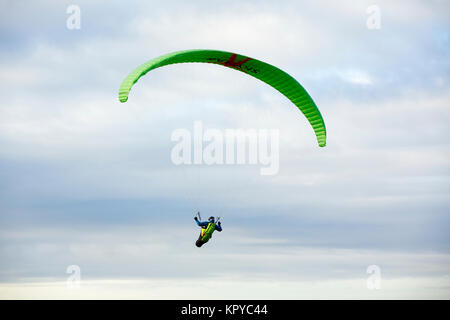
column 88, row 181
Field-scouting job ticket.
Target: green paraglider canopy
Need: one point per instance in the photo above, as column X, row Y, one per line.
column 271, row 75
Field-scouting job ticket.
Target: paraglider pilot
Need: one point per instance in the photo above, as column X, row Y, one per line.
column 208, row 227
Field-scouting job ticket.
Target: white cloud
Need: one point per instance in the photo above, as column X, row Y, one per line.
column 399, row 288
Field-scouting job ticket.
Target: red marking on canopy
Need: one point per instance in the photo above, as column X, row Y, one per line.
column 232, row 63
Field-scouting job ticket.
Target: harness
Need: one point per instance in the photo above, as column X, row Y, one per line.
column 207, row 233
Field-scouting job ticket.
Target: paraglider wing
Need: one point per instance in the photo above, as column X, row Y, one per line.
column 271, row 75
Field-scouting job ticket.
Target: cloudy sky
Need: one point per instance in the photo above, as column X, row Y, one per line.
column 87, row 181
